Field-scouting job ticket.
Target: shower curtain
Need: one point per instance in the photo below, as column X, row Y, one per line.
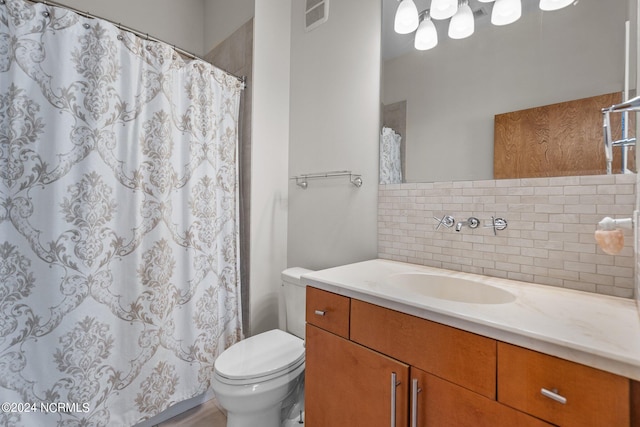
column 390, row 159
column 119, row 278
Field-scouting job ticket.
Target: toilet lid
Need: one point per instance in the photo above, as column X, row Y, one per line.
column 261, row 355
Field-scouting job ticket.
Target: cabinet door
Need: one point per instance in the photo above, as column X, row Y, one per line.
column 349, row 385
column 438, row 403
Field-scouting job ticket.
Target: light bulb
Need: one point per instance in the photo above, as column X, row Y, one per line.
column 443, row 9
column 406, row 20
column 506, row 12
column 462, row 23
column 426, row 36
column 554, row 4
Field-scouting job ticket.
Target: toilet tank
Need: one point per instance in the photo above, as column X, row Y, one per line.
column 294, row 300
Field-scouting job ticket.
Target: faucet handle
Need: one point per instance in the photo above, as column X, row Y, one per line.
column 473, row 222
column 446, row 220
column 498, row 224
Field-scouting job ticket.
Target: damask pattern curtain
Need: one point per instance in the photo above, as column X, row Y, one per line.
column 390, row 157
column 119, row 278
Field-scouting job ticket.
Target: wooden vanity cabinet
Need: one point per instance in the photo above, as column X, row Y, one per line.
column 453, row 372
column 443, row 376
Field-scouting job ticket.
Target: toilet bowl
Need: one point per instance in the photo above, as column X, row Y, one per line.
column 260, row 381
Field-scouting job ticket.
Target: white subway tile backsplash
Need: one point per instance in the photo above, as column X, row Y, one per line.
column 580, row 190
column 549, row 238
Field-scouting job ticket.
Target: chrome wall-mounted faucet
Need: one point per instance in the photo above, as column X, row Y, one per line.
column 472, row 222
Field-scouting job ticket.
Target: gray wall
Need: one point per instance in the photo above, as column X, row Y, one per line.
column 176, row 22
column 269, row 159
column 335, row 113
column 223, row 17
column 235, row 55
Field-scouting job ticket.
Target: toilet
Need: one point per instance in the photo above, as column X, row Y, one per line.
column 259, row 381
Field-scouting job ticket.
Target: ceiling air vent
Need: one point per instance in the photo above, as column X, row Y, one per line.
column 317, row 13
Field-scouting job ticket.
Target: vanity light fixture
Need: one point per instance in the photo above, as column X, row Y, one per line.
column 443, row 9
column 426, row 36
column 462, row 23
column 407, row 19
column 506, row 12
column 554, row 4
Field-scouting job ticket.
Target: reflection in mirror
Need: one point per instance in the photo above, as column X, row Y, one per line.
column 443, row 102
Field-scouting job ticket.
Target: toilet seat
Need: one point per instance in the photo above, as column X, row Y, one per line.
column 259, row 358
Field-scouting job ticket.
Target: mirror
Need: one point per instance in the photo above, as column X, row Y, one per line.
column 443, row 101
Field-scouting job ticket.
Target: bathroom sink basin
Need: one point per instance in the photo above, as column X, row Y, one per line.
column 449, row 288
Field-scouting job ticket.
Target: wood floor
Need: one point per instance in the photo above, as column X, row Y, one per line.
column 205, row 415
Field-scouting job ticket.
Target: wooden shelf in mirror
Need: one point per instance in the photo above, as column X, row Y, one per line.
column 563, row 139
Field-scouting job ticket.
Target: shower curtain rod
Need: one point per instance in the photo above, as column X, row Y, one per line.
column 146, row 36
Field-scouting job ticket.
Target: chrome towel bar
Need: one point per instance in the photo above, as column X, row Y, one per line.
column 302, row 180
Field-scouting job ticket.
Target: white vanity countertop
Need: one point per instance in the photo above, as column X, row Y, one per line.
column 598, row 331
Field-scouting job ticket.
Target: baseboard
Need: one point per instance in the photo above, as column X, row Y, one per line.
column 177, row 409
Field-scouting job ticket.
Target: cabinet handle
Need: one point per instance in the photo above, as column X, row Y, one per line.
column 394, row 385
column 320, row 312
column 414, row 402
column 553, row 394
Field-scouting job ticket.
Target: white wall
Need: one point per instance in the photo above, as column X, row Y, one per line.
column 223, row 17
column 179, row 23
column 335, row 113
column 269, row 157
column 454, row 90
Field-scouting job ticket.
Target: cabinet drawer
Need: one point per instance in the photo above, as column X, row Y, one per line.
column 460, row 357
column 593, row 397
column 328, row 311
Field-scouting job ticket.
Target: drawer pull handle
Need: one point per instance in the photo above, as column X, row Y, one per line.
column 394, row 384
column 414, row 402
column 320, row 312
column 553, row 394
